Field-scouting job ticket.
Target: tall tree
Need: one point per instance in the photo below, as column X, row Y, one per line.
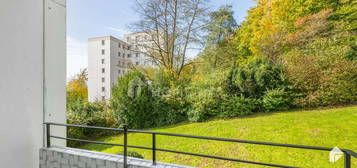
column 220, row 30
column 173, row 26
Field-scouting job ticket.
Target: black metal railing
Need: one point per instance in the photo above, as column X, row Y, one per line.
column 125, row 130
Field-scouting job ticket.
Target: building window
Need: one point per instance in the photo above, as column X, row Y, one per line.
column 103, row 42
column 103, row 98
column 137, row 38
column 137, row 55
column 119, row 63
column 103, row 70
column 118, row 45
column 129, row 55
column 103, row 51
column 119, row 71
column 128, row 47
column 102, row 61
column 103, row 79
column 118, row 54
column 136, row 63
column 103, row 89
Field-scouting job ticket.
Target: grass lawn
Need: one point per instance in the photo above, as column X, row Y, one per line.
column 326, row 128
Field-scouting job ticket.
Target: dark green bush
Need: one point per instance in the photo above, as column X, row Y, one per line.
column 141, row 105
column 276, row 100
column 132, row 101
column 237, row 106
column 132, row 154
column 254, row 79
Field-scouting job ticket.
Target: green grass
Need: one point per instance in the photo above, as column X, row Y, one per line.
column 326, row 128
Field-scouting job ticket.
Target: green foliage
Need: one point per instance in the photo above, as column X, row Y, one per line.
column 205, row 105
column 82, row 112
column 219, row 51
column 315, row 41
column 255, row 78
column 238, row 106
column 132, row 101
column 243, row 90
column 276, row 100
column 141, row 105
column 322, row 65
column 132, row 154
column 205, row 96
column 85, row 113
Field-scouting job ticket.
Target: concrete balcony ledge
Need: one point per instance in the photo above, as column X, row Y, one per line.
column 63, row 157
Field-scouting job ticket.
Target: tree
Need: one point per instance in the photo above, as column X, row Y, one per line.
column 218, row 47
column 77, row 88
column 173, row 26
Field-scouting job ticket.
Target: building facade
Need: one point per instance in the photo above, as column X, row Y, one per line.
column 110, row 58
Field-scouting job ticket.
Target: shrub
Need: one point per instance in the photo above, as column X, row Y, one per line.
column 144, row 105
column 276, row 100
column 253, row 79
column 205, row 95
column 86, row 113
column 132, row 101
column 238, row 106
column 132, row 154
column 322, row 74
column 205, row 105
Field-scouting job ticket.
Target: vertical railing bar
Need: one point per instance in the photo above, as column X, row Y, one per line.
column 125, row 146
column 154, row 149
column 347, row 160
column 48, row 138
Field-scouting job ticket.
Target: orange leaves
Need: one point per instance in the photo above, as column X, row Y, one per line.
column 310, row 26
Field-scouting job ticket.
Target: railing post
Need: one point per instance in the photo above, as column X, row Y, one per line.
column 48, row 138
column 347, row 160
column 154, row 149
column 125, row 146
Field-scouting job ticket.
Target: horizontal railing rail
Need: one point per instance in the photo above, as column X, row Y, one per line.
column 125, row 130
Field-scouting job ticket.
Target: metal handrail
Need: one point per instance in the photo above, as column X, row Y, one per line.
column 347, row 153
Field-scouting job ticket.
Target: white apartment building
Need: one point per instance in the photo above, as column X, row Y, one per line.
column 140, row 42
column 110, row 58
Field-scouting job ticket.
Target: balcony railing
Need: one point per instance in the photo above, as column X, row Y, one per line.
column 126, row 131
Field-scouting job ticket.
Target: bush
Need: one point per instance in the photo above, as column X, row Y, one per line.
column 253, row 79
column 322, row 74
column 132, row 154
column 144, row 105
column 205, row 105
column 276, row 100
column 86, row 113
column 238, row 106
column 132, row 101
column 205, row 96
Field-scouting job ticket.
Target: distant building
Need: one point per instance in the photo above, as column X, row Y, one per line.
column 140, row 42
column 110, row 58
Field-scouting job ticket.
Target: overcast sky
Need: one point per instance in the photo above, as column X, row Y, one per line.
column 91, row 18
